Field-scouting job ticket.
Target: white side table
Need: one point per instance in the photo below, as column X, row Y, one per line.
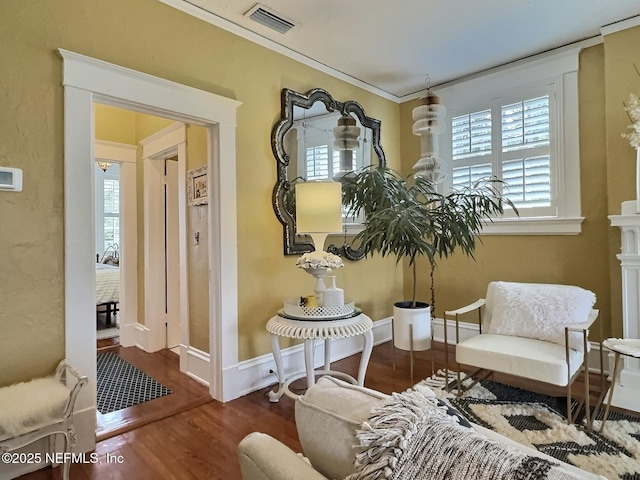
column 626, row 347
column 327, row 330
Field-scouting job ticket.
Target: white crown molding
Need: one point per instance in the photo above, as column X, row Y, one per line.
column 563, row 53
column 621, row 25
column 240, row 31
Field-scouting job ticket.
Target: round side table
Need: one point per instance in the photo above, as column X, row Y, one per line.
column 326, row 330
column 619, row 346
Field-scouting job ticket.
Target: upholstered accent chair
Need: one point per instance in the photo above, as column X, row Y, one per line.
column 536, row 331
column 328, row 417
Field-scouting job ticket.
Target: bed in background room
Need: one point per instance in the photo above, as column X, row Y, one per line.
column 108, row 283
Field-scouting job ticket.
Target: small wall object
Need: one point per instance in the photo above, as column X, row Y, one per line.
column 197, row 187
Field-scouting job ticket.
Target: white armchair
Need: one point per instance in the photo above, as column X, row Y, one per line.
column 535, row 331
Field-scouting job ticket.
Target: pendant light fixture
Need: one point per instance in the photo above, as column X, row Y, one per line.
column 428, row 119
column 104, row 165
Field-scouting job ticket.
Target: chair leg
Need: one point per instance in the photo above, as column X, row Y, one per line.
column 67, row 460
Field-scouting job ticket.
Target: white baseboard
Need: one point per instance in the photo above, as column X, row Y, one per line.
column 141, row 336
column 254, row 374
column 196, row 364
column 251, row 375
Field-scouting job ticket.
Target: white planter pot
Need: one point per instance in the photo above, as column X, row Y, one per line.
column 420, row 318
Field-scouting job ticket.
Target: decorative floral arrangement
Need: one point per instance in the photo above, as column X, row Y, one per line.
column 317, row 259
column 633, row 109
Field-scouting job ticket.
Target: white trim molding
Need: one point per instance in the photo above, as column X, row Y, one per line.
column 87, row 81
column 253, row 374
column 556, row 71
column 627, row 388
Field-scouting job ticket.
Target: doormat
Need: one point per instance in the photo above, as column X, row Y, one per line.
column 539, row 421
column 121, row 385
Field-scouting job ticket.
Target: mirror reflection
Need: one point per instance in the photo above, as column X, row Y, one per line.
column 318, row 138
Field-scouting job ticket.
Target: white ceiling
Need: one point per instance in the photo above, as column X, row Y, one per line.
column 393, row 45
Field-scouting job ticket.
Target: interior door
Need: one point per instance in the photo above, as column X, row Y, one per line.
column 172, row 256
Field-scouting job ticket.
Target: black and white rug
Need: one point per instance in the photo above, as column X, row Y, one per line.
column 539, row 421
column 121, row 385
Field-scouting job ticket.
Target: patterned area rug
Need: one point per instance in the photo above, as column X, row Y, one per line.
column 121, row 385
column 539, row 421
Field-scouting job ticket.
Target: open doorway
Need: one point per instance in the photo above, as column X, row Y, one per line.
column 85, row 81
column 155, row 253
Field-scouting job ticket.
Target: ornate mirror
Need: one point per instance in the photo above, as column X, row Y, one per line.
column 304, row 145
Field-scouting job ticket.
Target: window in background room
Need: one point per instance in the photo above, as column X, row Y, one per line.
column 107, row 207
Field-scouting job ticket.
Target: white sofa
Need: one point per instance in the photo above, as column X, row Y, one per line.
column 327, row 418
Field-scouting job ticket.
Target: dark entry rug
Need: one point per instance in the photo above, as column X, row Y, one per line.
column 540, row 421
column 121, row 385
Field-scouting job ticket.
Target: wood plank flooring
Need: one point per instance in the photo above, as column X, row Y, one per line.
column 200, row 442
column 163, row 366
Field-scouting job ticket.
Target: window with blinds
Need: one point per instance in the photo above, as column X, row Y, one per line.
column 511, row 141
column 107, row 207
column 111, row 211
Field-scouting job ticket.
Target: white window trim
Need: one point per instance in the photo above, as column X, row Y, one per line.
column 561, row 67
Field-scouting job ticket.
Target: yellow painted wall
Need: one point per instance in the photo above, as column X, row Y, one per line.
column 198, row 255
column 134, row 35
column 606, row 176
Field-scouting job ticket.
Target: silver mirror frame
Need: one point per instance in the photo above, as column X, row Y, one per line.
column 298, row 244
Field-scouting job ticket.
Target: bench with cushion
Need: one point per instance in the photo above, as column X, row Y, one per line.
column 41, row 408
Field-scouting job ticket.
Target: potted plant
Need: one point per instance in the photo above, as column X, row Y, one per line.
column 409, row 218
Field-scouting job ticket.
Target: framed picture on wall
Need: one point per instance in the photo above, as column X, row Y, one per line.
column 197, row 187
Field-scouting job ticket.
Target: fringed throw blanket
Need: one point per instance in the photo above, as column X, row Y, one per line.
column 413, row 437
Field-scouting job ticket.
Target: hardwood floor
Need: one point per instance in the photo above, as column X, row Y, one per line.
column 200, row 442
column 163, row 366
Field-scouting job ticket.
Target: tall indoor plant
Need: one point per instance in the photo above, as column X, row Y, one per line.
column 409, row 218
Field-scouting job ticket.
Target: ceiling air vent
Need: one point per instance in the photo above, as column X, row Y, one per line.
column 269, row 18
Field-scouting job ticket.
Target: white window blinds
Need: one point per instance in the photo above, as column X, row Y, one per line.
column 512, row 142
column 107, row 207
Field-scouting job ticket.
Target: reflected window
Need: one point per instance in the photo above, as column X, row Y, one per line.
column 317, row 159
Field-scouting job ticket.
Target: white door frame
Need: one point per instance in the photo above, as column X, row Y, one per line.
column 168, row 142
column 125, row 156
column 85, row 81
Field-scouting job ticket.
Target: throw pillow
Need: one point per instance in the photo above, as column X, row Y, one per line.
column 540, row 311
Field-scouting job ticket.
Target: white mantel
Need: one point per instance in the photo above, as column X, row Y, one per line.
column 627, row 389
